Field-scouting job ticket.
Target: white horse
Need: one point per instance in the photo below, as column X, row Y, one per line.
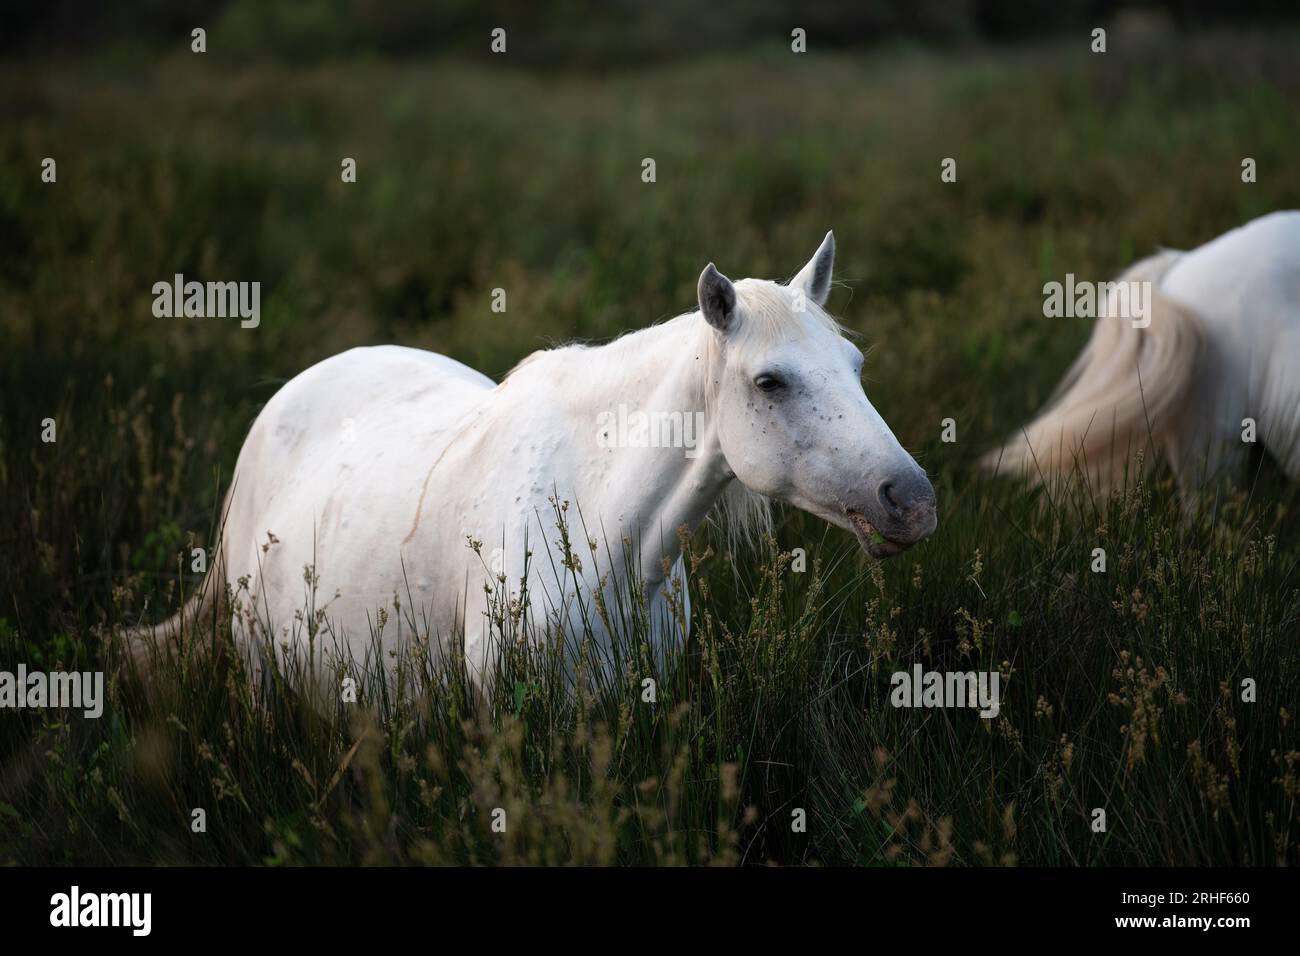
column 1222, row 351
column 371, row 478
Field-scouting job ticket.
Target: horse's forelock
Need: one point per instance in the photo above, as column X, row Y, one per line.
column 769, row 314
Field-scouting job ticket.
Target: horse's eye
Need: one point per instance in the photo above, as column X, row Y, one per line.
column 768, row 383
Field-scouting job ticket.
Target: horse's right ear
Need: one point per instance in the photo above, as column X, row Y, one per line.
column 815, row 277
column 717, row 298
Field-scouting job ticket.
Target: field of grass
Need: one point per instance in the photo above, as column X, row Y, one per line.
column 1122, row 689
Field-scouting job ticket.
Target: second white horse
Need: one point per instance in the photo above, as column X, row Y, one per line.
column 1212, row 372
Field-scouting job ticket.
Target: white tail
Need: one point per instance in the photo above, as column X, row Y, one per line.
column 200, row 615
column 1122, row 396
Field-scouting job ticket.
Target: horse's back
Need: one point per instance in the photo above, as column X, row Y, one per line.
column 332, row 471
column 380, row 380
column 343, row 403
column 1246, row 281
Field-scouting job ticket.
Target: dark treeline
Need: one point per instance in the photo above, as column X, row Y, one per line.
column 573, row 32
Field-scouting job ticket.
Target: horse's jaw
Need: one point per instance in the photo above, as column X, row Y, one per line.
column 871, row 540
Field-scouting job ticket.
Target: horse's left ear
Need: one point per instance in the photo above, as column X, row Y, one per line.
column 717, row 298
column 815, row 277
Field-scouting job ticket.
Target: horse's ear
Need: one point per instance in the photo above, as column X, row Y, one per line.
column 717, row 298
column 815, row 277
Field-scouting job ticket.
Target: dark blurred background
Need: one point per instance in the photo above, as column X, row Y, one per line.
column 581, row 34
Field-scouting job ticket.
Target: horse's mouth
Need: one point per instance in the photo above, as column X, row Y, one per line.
column 871, row 540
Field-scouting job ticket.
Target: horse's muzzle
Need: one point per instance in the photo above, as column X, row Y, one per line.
column 907, row 508
column 902, row 513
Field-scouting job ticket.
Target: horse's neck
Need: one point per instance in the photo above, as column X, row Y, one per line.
column 653, row 491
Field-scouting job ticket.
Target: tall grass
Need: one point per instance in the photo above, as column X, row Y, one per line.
column 1121, row 692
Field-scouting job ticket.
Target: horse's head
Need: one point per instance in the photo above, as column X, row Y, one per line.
column 793, row 421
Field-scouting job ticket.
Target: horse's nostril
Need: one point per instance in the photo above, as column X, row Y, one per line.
column 886, row 495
